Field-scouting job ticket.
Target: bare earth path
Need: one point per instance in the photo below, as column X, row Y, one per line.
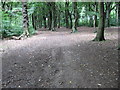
column 61, row 60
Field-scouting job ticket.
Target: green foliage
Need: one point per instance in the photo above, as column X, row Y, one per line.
column 12, row 23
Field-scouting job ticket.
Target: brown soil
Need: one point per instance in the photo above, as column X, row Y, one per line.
column 61, row 59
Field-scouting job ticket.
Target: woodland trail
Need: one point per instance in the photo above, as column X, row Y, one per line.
column 61, row 60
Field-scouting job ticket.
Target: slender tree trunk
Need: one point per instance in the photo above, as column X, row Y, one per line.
column 59, row 13
column 50, row 20
column 66, row 14
column 35, row 18
column 44, row 18
column 118, row 22
column 118, row 14
column 36, row 21
column 25, row 19
column 100, row 32
column 25, row 22
column 10, row 8
column 40, row 19
column 75, row 17
column 1, row 19
column 33, row 22
column 50, row 16
column 70, row 16
column 96, row 9
column 108, row 19
column 95, row 17
column 91, row 21
column 53, row 16
column 90, row 16
column 108, row 10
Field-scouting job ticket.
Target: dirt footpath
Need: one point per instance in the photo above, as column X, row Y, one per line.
column 61, row 60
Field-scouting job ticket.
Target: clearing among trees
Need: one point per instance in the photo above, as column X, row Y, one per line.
column 59, row 44
column 61, row 60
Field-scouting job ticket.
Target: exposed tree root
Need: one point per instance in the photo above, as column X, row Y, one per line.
column 74, row 31
column 95, row 31
column 15, row 38
column 97, row 39
column 21, row 37
column 119, row 47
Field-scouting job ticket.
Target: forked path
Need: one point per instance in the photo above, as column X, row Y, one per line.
column 62, row 60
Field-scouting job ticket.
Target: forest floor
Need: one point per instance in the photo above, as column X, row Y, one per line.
column 61, row 59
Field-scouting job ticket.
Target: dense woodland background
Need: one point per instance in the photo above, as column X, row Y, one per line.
column 52, row 15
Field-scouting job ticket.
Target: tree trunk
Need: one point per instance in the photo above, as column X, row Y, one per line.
column 107, row 18
column 33, row 22
column 108, row 10
column 66, row 14
column 25, row 22
column 25, row 19
column 118, row 22
column 50, row 20
column 96, row 9
column 59, row 18
column 75, row 17
column 118, row 14
column 95, row 17
column 100, row 32
column 49, row 16
column 35, row 18
column 44, row 18
column 53, row 16
column 70, row 16
column 90, row 16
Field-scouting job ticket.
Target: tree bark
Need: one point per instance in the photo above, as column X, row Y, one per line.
column 96, row 10
column 67, row 14
column 95, row 17
column 108, row 10
column 25, row 19
column 118, row 14
column 59, row 13
column 33, row 21
column 49, row 16
column 100, row 32
column 70, row 26
column 44, row 18
column 75, row 17
column 53, row 16
column 118, row 22
column 90, row 16
column 25, row 22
